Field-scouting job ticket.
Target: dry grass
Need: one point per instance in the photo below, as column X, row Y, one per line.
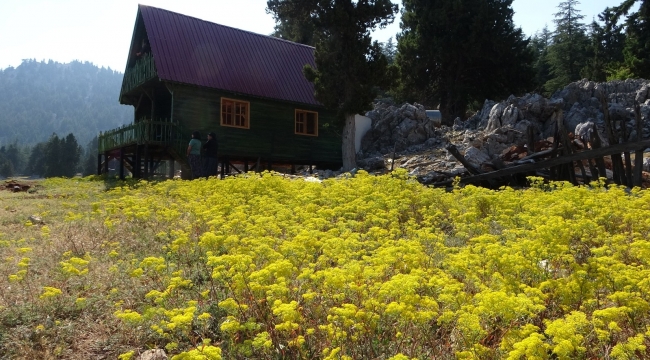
column 32, row 327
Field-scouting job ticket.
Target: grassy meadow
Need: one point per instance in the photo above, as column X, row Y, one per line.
column 366, row 267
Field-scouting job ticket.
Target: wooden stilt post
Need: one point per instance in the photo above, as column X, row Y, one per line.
column 246, row 165
column 152, row 167
column 146, row 162
column 137, row 163
column 121, row 163
column 171, row 169
column 99, row 163
column 106, row 162
column 223, row 167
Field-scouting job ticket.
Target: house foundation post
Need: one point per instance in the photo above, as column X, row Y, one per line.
column 106, row 162
column 121, row 163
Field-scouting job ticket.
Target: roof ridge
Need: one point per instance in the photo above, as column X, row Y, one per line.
column 230, row 27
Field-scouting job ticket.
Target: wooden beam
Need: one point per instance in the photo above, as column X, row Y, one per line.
column 589, row 154
column 106, row 159
column 638, row 154
column 121, row 163
column 453, row 150
column 234, row 167
column 617, row 162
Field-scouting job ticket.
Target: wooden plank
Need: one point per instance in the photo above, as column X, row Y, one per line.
column 567, row 149
column 453, row 150
column 626, row 155
column 530, row 137
column 638, row 155
column 596, row 143
column 589, row 154
column 593, row 170
column 234, row 167
column 617, row 163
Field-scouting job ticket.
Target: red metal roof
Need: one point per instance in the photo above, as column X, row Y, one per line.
column 197, row 52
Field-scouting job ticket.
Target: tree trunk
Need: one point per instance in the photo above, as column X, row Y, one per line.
column 348, row 149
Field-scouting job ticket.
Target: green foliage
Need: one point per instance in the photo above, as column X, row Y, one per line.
column 89, row 166
column 349, row 66
column 606, row 47
column 58, row 157
column 569, row 52
column 41, row 98
column 454, row 52
column 296, row 30
column 539, row 45
column 637, row 44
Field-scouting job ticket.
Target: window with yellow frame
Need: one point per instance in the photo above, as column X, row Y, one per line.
column 306, row 122
column 235, row 113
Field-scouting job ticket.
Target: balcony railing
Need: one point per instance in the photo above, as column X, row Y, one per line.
column 143, row 70
column 145, row 131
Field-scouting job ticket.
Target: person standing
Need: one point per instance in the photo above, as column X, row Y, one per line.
column 194, row 155
column 210, row 162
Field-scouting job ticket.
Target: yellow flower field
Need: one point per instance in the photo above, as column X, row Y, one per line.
column 365, row 267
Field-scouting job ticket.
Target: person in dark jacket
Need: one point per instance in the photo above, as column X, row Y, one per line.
column 210, row 162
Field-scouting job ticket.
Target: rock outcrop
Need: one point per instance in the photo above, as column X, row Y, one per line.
column 500, row 129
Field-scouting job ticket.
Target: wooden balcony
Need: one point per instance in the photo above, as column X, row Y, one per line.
column 143, row 70
column 161, row 132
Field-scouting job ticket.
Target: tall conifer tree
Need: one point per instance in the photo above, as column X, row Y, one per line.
column 637, row 44
column 453, row 52
column 568, row 54
column 349, row 66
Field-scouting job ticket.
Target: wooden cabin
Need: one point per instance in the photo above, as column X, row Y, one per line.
column 185, row 74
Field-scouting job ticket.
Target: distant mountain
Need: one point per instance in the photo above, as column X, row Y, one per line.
column 40, row 98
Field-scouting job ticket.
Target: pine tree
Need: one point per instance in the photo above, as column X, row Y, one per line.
column 6, row 165
column 607, row 40
column 36, row 165
column 90, row 158
column 567, row 55
column 296, row 30
column 70, row 155
column 540, row 44
column 389, row 49
column 53, row 152
column 452, row 53
column 349, row 66
column 637, row 43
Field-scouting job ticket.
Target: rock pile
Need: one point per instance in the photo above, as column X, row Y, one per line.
column 499, row 131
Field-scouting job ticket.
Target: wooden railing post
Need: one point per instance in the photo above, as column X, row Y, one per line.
column 638, row 154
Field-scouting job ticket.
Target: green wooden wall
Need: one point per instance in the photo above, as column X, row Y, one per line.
column 271, row 133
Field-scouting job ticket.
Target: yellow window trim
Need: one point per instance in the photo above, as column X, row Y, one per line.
column 235, row 101
column 295, row 122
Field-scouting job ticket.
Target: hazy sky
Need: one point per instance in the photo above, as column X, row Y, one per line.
column 100, row 31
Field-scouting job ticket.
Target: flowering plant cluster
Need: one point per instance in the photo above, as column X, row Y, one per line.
column 356, row 268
